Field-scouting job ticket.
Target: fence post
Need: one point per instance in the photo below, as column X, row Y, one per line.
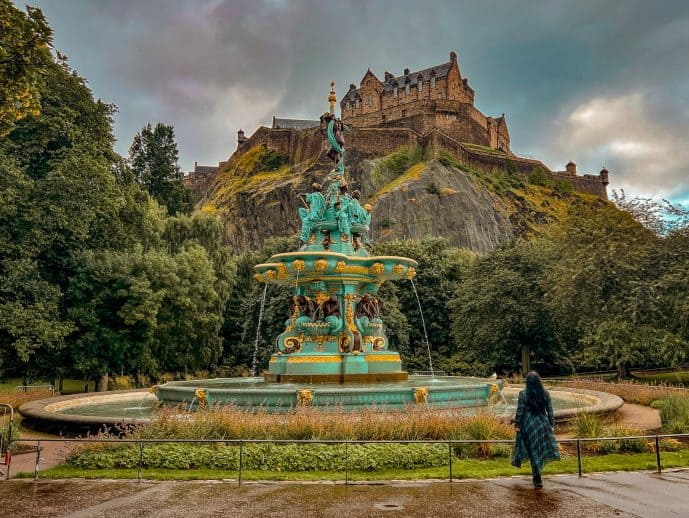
column 579, row 455
column 38, row 459
column 346, row 463
column 658, row 453
column 9, row 443
column 449, row 452
column 241, row 461
column 141, row 460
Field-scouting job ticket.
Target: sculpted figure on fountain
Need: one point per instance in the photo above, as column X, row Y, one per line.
column 317, row 205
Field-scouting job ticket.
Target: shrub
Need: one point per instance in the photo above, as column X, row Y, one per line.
column 395, row 164
column 121, row 383
column 270, row 160
column 482, row 428
column 268, row 457
column 674, row 413
column 563, row 187
column 627, row 445
column 538, row 176
column 589, row 425
column 448, row 160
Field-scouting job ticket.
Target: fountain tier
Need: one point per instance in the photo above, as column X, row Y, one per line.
column 334, row 332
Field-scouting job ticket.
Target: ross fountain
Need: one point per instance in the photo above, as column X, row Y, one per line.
column 333, row 353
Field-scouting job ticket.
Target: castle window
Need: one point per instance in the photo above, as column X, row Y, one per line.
column 394, row 93
column 406, row 89
column 404, row 113
column 420, row 85
column 358, row 104
column 432, row 82
column 368, row 82
column 368, row 100
column 440, row 95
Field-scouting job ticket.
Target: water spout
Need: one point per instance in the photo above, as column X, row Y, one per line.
column 254, row 361
column 423, row 324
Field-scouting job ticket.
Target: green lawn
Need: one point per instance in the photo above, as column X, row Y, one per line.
column 673, row 378
column 464, row 468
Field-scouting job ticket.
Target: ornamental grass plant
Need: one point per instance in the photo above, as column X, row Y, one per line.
column 370, row 424
column 674, row 413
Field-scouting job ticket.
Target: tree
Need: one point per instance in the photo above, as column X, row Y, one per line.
column 499, row 316
column 598, row 286
column 24, row 54
column 153, row 158
column 440, row 269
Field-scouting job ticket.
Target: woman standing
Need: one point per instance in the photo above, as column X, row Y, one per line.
column 535, row 427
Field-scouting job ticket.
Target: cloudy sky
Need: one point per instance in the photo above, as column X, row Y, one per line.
column 603, row 83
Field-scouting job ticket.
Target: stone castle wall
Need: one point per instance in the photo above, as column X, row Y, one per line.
column 198, row 183
column 301, row 145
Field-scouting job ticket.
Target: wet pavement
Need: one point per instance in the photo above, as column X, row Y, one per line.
column 599, row 495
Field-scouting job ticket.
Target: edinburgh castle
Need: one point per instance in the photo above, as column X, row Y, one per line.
column 432, row 108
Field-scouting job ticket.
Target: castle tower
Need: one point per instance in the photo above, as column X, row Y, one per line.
column 571, row 168
column 241, row 139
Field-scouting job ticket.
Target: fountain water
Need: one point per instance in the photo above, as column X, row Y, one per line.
column 254, row 360
column 423, row 324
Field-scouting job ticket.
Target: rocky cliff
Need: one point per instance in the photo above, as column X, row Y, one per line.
column 412, row 198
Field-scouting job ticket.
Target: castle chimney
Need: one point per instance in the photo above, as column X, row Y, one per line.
column 453, row 56
column 571, row 168
column 388, row 76
column 406, row 71
column 352, row 86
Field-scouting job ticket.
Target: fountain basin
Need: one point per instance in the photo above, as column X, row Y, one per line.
column 83, row 414
column 446, row 391
column 80, row 414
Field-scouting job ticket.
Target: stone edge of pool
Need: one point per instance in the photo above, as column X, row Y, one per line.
column 43, row 414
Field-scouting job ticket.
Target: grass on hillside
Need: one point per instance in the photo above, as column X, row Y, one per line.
column 461, row 469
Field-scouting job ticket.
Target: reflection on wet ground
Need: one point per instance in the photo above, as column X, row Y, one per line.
column 600, row 495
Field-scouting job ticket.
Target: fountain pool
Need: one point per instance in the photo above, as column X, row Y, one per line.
column 117, row 410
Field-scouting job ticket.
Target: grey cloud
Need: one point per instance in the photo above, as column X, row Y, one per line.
column 210, row 67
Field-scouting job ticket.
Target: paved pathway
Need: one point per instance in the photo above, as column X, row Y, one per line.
column 601, row 495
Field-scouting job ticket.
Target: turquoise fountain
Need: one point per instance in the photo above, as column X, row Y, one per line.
column 334, row 351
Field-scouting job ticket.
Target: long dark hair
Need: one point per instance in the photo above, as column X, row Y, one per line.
column 536, row 396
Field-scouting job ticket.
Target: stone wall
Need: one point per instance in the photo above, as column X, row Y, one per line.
column 198, row 183
column 587, row 183
column 374, row 142
column 378, row 142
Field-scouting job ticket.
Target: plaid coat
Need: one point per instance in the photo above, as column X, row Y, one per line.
column 536, row 436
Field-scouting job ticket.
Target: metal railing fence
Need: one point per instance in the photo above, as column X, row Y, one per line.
column 451, row 443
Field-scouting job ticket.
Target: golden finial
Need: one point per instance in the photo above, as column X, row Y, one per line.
column 332, row 98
